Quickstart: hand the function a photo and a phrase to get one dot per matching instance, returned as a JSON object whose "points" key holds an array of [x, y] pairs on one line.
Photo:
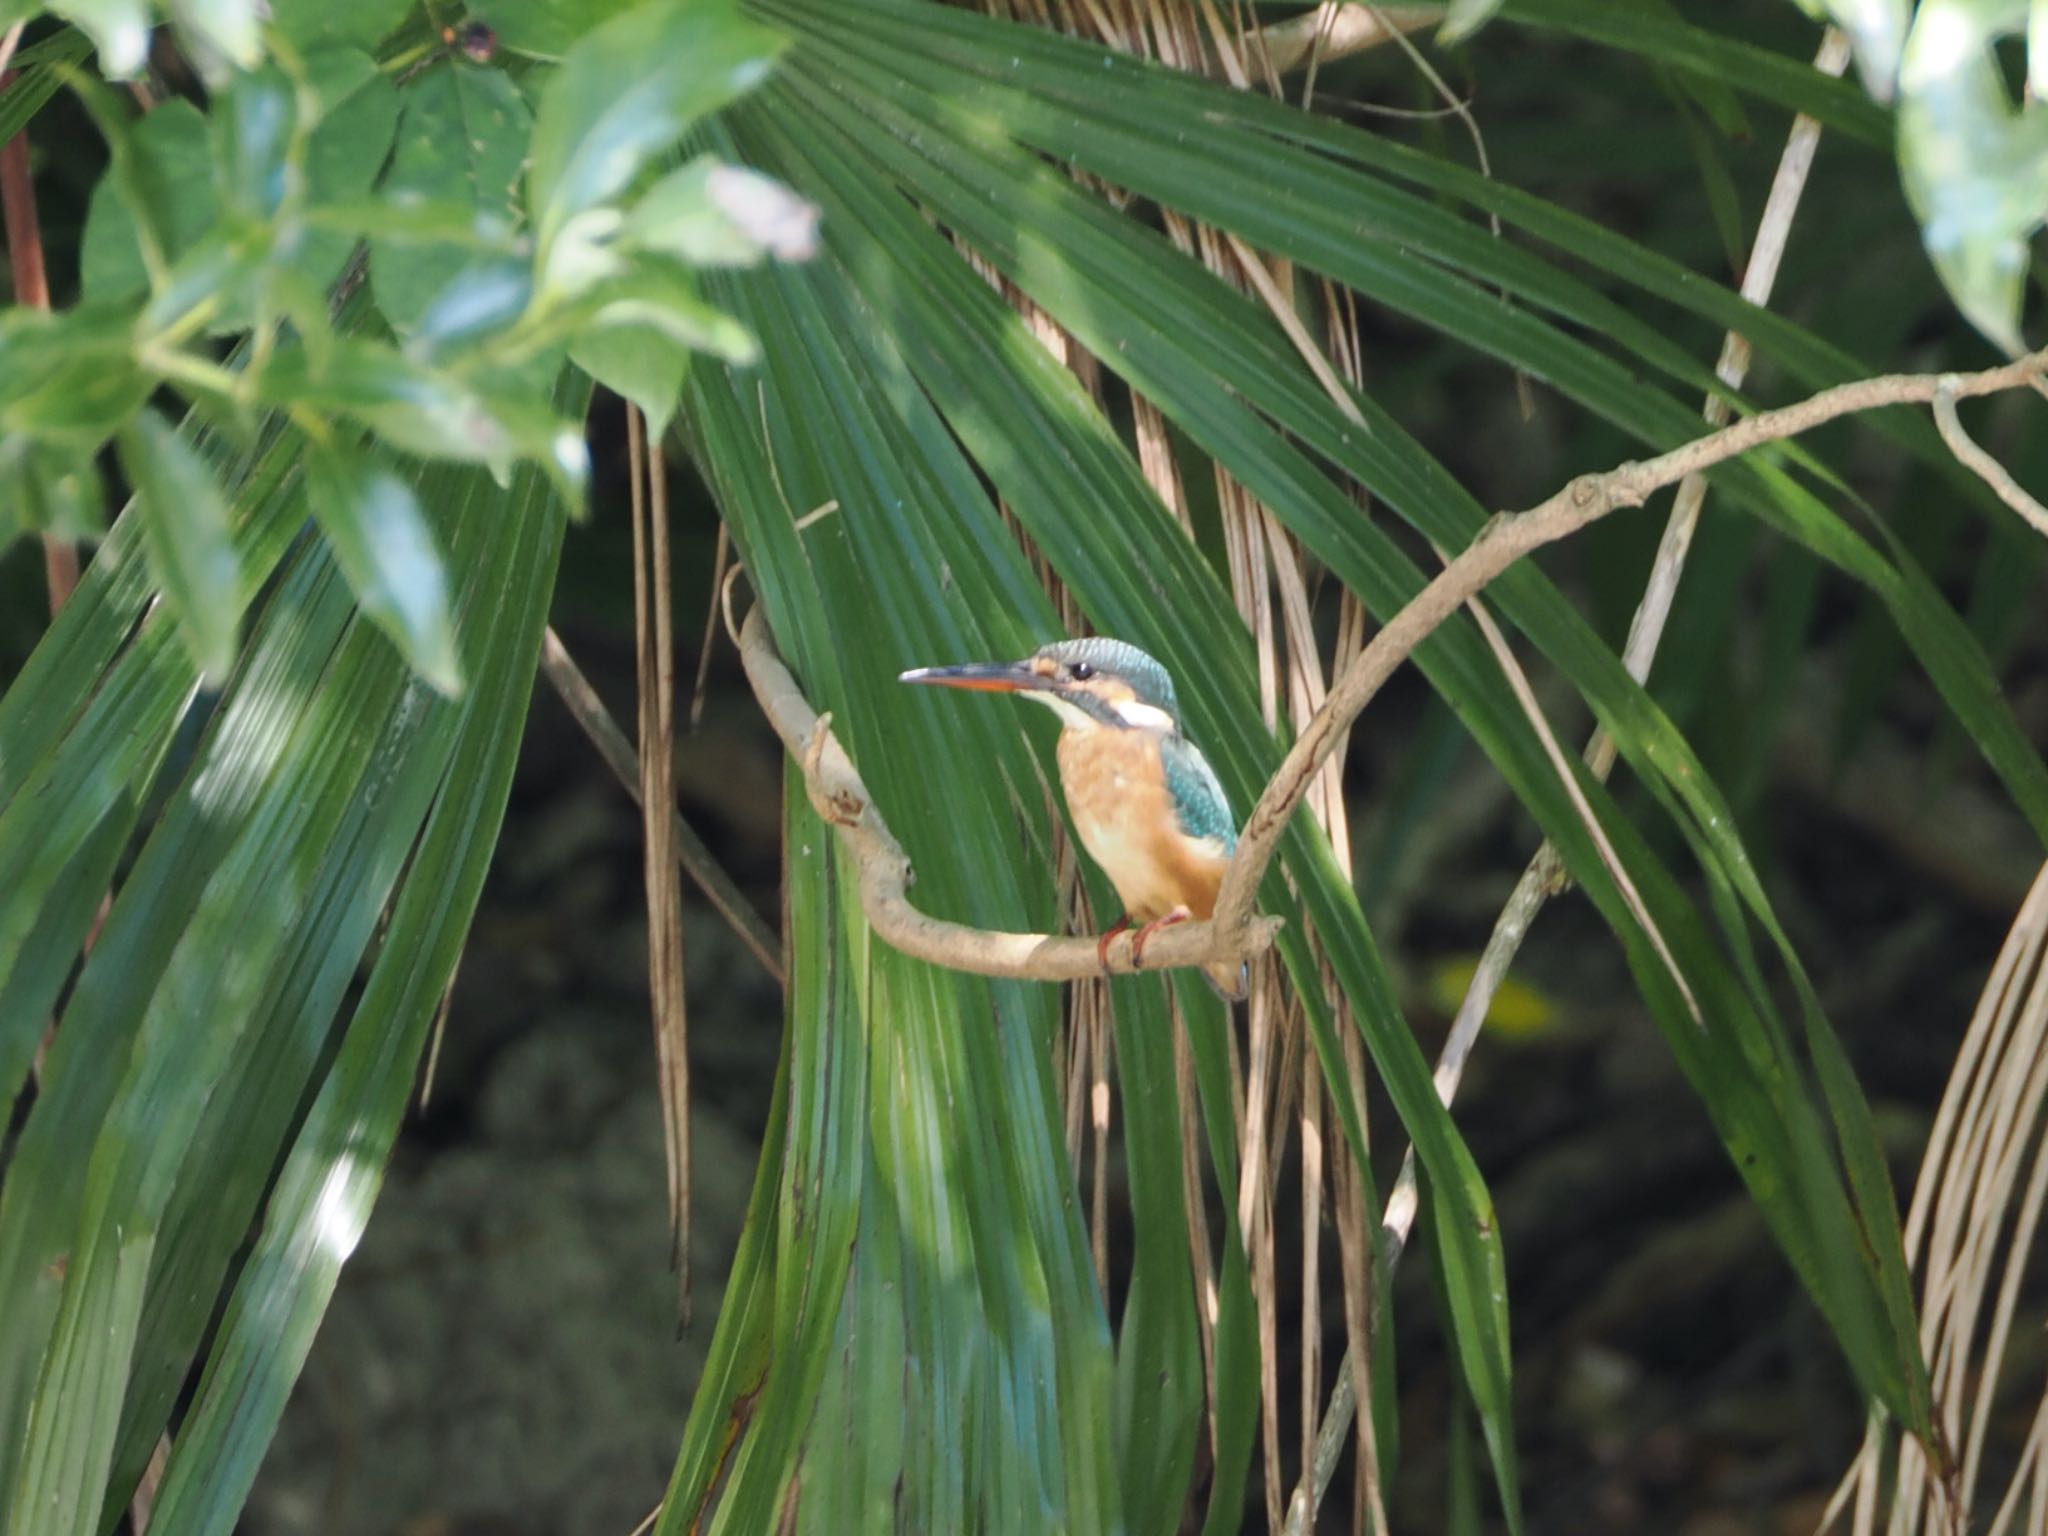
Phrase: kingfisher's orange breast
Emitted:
{"points": [[1116, 792]]}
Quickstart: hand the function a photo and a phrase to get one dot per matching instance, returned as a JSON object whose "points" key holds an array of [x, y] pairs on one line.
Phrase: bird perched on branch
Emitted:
{"points": [[1143, 798]]}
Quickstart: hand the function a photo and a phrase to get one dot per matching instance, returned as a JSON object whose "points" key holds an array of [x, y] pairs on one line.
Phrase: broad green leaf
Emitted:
{"points": [[186, 526], [68, 379], [383, 546], [241, 148], [119, 29], [171, 149], [637, 362], [462, 144], [708, 214], [1009, 1374], [309, 24], [253, 121], [545, 29], [625, 93], [50, 487], [485, 296], [1975, 167], [660, 298], [358, 109], [220, 35], [412, 406]]}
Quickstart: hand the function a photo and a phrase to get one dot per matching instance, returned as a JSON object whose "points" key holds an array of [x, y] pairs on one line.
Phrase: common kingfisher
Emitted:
{"points": [[1144, 800]]}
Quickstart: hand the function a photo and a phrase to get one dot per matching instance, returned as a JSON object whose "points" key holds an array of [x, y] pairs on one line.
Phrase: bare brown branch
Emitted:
{"points": [[1508, 538]]}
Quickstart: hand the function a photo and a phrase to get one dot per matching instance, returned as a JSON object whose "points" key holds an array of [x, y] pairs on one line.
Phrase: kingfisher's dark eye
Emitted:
{"points": [[1081, 671]]}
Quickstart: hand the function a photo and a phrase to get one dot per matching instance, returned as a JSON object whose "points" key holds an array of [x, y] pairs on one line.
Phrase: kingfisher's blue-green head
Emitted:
{"points": [[1091, 684]]}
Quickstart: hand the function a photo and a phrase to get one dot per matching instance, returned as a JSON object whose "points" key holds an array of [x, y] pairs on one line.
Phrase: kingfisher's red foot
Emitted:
{"points": [[1102, 944], [1177, 915]]}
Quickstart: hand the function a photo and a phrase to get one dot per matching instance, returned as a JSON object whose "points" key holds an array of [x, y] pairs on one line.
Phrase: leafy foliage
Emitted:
{"points": [[235, 220]]}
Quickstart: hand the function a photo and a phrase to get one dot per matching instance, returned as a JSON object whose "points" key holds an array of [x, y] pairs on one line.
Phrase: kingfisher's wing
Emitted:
{"points": [[1198, 799]]}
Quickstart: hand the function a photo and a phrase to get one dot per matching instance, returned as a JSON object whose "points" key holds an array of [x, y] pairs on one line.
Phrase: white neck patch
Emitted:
{"points": [[1145, 717]]}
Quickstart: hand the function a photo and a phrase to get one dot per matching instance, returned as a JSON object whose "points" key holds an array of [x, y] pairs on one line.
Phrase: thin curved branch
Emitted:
{"points": [[842, 799], [1983, 466], [1509, 537], [1235, 933]]}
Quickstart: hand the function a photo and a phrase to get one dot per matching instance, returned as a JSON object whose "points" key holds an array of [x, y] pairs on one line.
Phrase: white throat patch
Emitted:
{"points": [[1145, 717]]}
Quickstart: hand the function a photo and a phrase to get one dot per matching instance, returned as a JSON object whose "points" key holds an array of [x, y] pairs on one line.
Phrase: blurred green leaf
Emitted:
{"points": [[545, 29], [661, 298], [252, 123], [382, 545], [309, 24], [1975, 168], [49, 486], [1877, 31], [708, 214], [186, 526], [119, 30], [358, 114], [414, 407], [220, 35], [627, 92], [637, 362], [462, 142], [189, 168], [68, 379], [485, 296], [172, 148]]}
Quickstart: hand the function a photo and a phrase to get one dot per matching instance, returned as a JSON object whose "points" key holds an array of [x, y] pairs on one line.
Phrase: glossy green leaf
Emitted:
{"points": [[546, 29], [172, 150], [186, 528], [708, 214], [412, 406], [382, 544], [67, 380], [462, 143], [638, 362], [253, 121], [656, 297], [310, 24], [625, 93]]}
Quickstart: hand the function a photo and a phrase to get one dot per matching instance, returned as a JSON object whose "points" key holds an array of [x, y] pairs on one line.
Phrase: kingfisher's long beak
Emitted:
{"points": [[986, 676]]}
